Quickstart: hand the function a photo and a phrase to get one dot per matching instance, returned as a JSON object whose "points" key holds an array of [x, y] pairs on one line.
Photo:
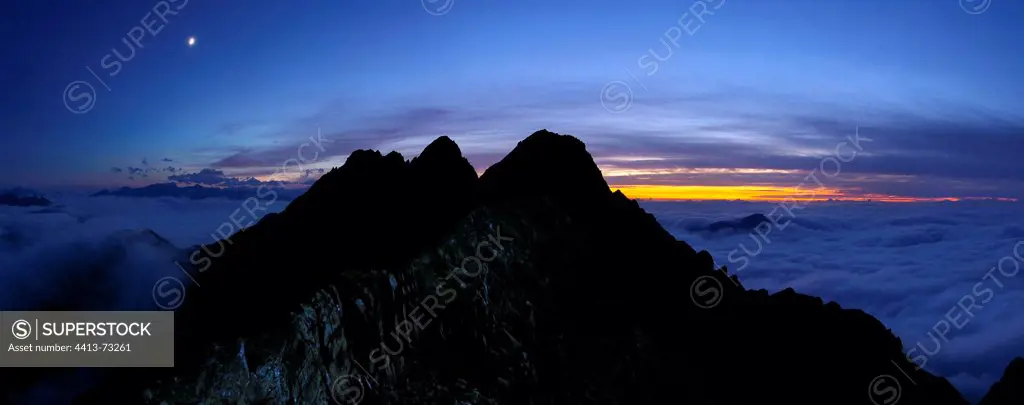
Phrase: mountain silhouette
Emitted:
{"points": [[197, 192], [747, 223], [1009, 389], [21, 197], [563, 293]]}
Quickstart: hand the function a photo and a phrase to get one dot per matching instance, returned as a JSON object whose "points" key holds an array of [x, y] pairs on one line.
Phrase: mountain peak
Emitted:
{"points": [[443, 158], [442, 148], [546, 163], [573, 271], [363, 158]]}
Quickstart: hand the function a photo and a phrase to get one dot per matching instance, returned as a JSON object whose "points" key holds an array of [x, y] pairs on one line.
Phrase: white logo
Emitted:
{"points": [[21, 329], [975, 6], [169, 298], [347, 390], [705, 296], [616, 97], [79, 97], [884, 390], [437, 7]]}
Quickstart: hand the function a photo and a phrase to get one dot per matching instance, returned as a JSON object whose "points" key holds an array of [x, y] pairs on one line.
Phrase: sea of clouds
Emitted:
{"points": [[915, 267], [98, 251], [909, 265]]}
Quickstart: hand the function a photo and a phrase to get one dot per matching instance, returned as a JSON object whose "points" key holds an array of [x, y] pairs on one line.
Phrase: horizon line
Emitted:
{"points": [[651, 192]]}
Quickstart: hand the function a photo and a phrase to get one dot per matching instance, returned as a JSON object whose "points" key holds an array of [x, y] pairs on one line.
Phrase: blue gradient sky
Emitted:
{"points": [[767, 85]]}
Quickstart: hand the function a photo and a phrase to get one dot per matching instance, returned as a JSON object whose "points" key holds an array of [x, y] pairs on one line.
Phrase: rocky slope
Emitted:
{"points": [[415, 282], [1009, 389]]}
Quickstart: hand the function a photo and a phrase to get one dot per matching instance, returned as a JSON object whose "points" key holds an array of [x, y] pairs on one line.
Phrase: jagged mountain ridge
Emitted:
{"points": [[198, 192], [593, 303]]}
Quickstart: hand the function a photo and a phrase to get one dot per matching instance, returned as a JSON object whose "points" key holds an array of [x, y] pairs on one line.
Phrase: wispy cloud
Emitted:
{"points": [[213, 177], [734, 136]]}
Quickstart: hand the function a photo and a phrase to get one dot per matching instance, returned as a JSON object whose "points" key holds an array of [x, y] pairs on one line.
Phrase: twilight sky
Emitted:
{"points": [[747, 101]]}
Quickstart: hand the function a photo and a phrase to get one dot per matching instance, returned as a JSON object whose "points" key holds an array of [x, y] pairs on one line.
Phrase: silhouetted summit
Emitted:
{"points": [[545, 164], [747, 223], [443, 151], [415, 282]]}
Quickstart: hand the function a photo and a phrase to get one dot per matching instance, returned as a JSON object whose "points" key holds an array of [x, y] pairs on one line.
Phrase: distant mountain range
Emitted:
{"points": [[533, 284], [22, 197], [747, 223], [197, 192]]}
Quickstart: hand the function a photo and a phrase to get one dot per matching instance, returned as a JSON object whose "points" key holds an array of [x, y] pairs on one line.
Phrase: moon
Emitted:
{"points": [[191, 41]]}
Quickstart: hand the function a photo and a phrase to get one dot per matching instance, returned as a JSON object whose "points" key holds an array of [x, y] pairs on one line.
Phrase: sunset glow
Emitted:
{"points": [[759, 193]]}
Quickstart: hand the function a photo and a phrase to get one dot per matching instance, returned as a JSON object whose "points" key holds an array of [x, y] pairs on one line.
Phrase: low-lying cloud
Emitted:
{"points": [[943, 276], [102, 252], [99, 253], [910, 265]]}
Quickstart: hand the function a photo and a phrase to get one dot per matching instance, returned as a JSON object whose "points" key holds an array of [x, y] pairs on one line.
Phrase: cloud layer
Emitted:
{"points": [[108, 238], [725, 136], [98, 253], [915, 267], [910, 265]]}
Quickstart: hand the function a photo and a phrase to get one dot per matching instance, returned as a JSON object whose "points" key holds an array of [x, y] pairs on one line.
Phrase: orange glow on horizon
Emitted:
{"points": [[758, 193], [752, 193]]}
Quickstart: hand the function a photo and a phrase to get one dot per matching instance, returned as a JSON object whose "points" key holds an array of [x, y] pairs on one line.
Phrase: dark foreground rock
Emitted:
{"points": [[1009, 389], [415, 282]]}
